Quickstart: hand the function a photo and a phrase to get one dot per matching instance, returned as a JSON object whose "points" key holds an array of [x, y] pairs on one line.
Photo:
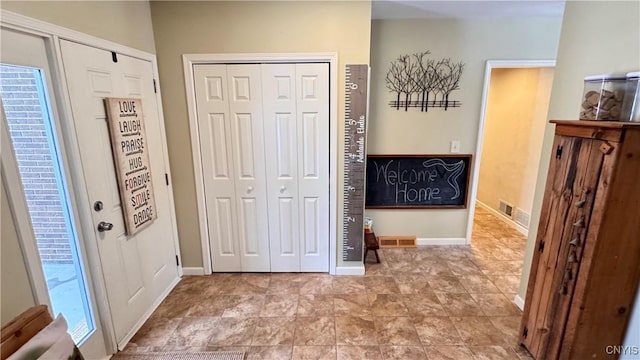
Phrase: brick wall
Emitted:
{"points": [[26, 125]]}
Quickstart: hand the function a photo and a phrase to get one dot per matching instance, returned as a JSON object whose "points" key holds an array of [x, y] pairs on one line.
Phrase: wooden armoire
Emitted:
{"points": [[586, 263]]}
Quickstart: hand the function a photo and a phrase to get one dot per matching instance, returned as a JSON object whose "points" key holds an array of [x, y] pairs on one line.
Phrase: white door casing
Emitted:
{"points": [[293, 142], [139, 269]]}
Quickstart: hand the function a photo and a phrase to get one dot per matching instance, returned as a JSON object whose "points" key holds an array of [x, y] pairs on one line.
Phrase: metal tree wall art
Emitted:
{"points": [[415, 79]]}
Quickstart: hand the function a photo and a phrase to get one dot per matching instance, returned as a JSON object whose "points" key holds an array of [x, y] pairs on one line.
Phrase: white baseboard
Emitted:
{"points": [[519, 302], [521, 229], [441, 241], [350, 270], [191, 271]]}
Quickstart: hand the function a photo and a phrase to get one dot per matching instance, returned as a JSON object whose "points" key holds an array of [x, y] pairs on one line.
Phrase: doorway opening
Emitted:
{"points": [[514, 113], [31, 127]]}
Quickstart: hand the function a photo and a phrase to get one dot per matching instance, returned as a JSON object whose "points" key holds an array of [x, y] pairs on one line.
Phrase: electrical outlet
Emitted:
{"points": [[455, 146]]}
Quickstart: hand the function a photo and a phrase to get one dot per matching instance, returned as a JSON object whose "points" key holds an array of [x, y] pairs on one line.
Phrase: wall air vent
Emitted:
{"points": [[506, 208], [523, 218]]}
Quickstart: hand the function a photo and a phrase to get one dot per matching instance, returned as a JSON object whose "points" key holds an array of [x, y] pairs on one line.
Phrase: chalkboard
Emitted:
{"points": [[417, 181]]}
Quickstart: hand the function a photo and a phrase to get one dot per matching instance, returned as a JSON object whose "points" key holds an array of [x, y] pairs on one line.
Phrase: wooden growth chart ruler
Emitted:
{"points": [[355, 160]]}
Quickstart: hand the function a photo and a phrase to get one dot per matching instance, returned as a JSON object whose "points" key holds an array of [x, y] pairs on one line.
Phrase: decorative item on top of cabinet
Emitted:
{"points": [[585, 272]]}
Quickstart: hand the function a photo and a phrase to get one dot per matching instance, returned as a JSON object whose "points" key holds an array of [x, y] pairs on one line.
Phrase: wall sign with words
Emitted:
{"points": [[417, 181], [129, 146]]}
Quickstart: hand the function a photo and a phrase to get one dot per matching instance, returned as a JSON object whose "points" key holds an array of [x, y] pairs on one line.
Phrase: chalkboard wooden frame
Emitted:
{"points": [[466, 173]]}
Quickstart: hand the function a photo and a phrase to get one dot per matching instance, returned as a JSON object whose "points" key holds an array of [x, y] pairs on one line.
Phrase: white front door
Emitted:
{"points": [[264, 143], [139, 270]]}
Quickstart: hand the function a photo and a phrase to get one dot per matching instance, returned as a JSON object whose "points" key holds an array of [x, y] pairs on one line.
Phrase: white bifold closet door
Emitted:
{"points": [[264, 138]]}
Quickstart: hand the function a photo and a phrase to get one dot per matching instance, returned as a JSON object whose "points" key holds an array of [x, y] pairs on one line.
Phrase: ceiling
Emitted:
{"points": [[425, 9]]}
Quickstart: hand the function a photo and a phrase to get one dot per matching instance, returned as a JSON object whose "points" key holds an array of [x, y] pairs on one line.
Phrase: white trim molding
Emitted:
{"points": [[519, 302], [440, 241], [521, 229], [189, 60], [491, 64], [192, 271], [350, 270]]}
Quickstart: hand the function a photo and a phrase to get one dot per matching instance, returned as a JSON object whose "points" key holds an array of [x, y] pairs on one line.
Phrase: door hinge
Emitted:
{"points": [[166, 178], [177, 261], [541, 246], [559, 152], [155, 89], [525, 332]]}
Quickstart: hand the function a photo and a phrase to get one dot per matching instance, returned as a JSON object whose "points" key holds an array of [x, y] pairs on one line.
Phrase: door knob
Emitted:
{"points": [[249, 189], [283, 188], [104, 226]]}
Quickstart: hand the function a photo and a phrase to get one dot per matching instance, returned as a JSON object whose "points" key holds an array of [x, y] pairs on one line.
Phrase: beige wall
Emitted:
{"points": [[123, 22], [398, 132], [513, 131], [618, 50], [243, 27], [15, 289]]}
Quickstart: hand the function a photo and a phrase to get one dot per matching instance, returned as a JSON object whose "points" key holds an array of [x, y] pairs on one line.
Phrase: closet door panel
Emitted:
{"points": [[247, 134], [216, 150], [312, 87], [281, 140]]}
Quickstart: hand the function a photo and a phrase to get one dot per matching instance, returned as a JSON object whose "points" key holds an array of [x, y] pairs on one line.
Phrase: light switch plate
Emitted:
{"points": [[455, 146]]}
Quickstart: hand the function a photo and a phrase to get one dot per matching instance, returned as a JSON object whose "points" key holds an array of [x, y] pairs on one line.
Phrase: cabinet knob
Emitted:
{"points": [[249, 189], [283, 189]]}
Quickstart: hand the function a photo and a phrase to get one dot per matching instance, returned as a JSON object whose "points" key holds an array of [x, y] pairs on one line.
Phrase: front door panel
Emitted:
{"points": [[138, 269]]}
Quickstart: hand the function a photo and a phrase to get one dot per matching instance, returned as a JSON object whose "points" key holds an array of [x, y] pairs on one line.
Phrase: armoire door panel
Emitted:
{"points": [[586, 170], [564, 240], [554, 208]]}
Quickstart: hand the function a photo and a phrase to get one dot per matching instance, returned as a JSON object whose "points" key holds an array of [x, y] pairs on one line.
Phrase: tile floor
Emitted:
{"points": [[431, 302]]}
